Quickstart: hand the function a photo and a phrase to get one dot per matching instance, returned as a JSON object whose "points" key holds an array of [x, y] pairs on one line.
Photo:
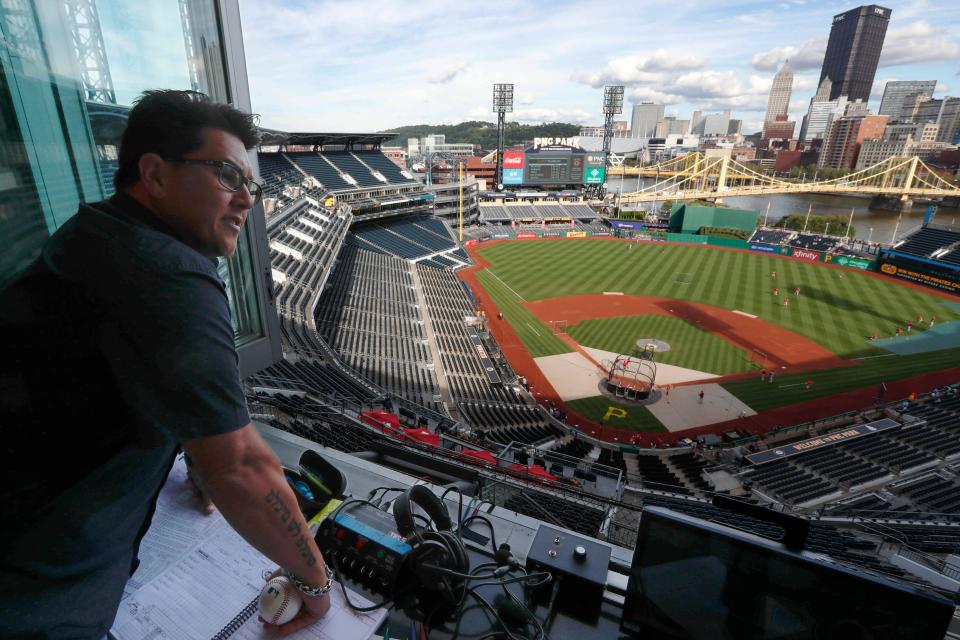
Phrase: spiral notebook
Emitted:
{"points": [[199, 579]]}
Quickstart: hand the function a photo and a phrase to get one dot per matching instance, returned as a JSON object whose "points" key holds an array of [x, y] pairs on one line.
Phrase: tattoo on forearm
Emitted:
{"points": [[275, 501], [293, 526]]}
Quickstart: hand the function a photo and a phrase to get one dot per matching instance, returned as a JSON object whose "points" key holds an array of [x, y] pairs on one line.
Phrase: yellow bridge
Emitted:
{"points": [[694, 176]]}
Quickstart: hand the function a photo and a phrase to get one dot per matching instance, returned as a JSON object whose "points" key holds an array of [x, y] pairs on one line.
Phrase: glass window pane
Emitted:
{"points": [[70, 70]]}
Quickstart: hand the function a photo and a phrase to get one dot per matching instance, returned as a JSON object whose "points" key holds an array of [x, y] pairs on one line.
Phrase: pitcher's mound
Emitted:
{"points": [[652, 344]]}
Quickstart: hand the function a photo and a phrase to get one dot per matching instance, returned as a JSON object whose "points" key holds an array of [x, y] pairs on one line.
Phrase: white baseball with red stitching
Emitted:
{"points": [[280, 601]]}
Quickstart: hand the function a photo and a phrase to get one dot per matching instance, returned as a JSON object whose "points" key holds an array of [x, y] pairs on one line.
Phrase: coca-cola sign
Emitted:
{"points": [[513, 159]]}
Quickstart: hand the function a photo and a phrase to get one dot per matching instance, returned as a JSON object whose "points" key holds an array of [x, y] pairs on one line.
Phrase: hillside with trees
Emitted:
{"points": [[485, 133]]}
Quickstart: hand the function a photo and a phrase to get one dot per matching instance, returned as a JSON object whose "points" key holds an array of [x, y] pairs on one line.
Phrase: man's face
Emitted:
{"points": [[205, 214]]}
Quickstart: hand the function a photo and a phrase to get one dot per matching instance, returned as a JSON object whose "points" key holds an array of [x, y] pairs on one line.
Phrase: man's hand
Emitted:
{"points": [[312, 610]]}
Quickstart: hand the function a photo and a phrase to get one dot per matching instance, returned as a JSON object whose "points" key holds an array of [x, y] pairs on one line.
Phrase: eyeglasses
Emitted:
{"points": [[230, 176]]}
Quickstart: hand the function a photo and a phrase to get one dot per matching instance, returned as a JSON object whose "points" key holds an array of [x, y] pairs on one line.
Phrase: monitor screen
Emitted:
{"points": [[695, 579]]}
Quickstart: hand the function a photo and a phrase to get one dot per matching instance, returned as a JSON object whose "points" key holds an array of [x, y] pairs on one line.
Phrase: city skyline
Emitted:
{"points": [[373, 65]]}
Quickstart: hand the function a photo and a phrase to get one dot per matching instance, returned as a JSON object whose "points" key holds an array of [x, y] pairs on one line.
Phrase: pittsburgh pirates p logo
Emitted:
{"points": [[614, 412]]}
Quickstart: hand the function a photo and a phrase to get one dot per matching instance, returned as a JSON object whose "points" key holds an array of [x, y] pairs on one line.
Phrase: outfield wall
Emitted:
{"points": [[655, 235], [689, 218]]}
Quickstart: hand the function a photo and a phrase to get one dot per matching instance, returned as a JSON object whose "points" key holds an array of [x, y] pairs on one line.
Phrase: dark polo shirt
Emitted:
{"points": [[115, 347]]}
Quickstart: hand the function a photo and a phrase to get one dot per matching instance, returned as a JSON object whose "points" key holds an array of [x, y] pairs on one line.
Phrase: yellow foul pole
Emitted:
{"points": [[461, 201]]}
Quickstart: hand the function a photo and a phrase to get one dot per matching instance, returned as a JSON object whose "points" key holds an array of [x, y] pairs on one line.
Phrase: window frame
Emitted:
{"points": [[265, 350]]}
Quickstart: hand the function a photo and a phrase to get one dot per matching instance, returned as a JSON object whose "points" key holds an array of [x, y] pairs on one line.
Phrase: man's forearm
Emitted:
{"points": [[257, 501]]}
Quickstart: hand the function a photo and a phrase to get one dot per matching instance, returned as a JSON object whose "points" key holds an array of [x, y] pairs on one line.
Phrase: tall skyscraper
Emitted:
{"points": [[895, 92], [643, 123], [853, 51], [779, 101]]}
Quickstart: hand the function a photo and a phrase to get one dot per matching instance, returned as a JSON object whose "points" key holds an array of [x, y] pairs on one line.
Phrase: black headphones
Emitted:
{"points": [[436, 554]]}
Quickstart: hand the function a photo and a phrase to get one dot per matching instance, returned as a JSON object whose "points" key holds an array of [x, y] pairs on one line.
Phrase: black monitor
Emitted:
{"points": [[694, 579]]}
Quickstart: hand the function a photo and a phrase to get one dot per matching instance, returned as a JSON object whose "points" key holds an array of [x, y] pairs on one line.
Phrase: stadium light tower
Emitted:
{"points": [[612, 105], [502, 105]]}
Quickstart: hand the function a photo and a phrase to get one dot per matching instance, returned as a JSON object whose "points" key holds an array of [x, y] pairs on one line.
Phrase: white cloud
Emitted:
{"points": [[804, 83], [808, 55], [700, 84], [918, 42], [635, 70], [550, 115], [942, 88], [534, 115], [654, 95], [666, 60]]}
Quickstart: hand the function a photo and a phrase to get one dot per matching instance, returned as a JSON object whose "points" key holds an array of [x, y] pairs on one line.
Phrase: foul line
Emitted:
{"points": [[532, 328], [490, 271], [882, 355]]}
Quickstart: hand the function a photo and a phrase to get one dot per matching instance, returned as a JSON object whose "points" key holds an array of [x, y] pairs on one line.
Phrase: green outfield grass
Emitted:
{"points": [[690, 346], [836, 312], [537, 338], [638, 417], [789, 389]]}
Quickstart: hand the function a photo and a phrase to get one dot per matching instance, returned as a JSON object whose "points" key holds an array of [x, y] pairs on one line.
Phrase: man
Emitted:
{"points": [[116, 349]]}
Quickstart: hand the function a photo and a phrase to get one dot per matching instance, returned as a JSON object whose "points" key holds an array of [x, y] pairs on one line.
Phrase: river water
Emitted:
{"points": [[870, 224]]}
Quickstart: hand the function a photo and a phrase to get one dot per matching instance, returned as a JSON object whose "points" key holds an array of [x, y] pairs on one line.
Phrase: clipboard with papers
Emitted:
{"points": [[199, 579]]}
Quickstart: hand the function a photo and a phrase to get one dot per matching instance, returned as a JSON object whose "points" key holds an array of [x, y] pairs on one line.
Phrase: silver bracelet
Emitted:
{"points": [[309, 590]]}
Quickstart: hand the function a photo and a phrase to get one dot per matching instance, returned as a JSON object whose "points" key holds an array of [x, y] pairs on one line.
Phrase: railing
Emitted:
{"points": [[903, 549]]}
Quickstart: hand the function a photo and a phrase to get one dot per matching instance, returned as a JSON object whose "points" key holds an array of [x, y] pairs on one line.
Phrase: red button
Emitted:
{"points": [[340, 534], [359, 544]]}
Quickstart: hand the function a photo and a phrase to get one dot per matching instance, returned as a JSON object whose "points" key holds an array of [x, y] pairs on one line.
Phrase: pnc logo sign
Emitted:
{"points": [[889, 269]]}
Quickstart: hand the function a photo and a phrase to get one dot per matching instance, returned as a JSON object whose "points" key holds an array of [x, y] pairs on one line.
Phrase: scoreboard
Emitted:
{"points": [[553, 168]]}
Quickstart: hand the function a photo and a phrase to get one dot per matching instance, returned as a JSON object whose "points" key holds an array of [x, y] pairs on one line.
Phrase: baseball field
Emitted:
{"points": [[727, 316]]}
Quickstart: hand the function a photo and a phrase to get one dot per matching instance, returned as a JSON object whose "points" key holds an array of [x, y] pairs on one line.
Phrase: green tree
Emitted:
{"points": [[834, 225]]}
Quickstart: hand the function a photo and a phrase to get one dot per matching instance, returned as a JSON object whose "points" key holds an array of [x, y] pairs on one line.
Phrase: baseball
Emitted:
{"points": [[280, 601]]}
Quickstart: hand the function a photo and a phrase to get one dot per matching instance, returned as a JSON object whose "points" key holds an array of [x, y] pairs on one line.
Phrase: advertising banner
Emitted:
{"points": [[805, 254], [849, 261], [815, 443], [576, 234], [469, 243], [513, 160], [634, 225], [600, 233], [762, 248], [526, 234], [512, 176], [501, 235], [593, 175], [921, 278]]}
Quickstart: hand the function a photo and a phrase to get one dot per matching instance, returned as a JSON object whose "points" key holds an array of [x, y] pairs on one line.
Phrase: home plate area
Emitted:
{"points": [[579, 374]]}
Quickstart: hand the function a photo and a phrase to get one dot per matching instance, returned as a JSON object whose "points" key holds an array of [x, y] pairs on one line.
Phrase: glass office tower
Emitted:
{"points": [[853, 51]]}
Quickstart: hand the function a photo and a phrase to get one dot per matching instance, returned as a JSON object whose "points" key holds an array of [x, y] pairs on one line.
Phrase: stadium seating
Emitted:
{"points": [[927, 241], [369, 317], [349, 164], [323, 170], [411, 237], [654, 474], [383, 165], [108, 168], [554, 510], [771, 236], [815, 242], [275, 173]]}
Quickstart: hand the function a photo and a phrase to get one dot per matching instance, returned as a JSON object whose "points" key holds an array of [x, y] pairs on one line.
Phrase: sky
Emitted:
{"points": [[369, 65]]}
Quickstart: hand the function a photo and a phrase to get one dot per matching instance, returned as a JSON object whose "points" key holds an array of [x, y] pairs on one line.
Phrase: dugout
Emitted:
{"points": [[686, 218]]}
